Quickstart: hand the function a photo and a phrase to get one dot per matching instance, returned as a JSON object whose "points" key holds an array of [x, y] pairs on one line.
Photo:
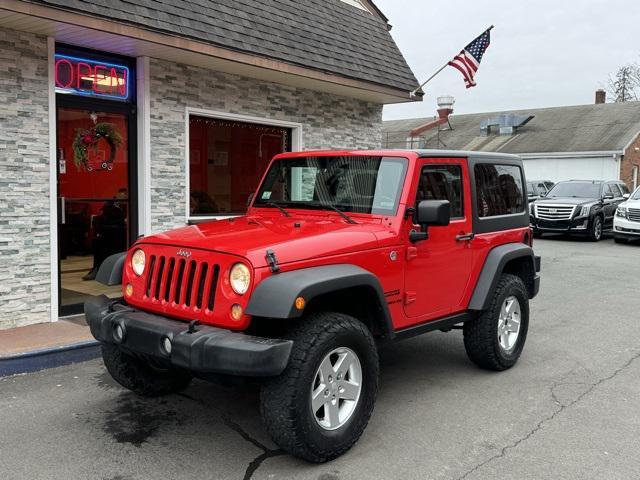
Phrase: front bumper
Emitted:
{"points": [[579, 225], [623, 228], [205, 350]]}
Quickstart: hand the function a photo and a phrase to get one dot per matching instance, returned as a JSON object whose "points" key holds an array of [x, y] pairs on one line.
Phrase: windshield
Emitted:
{"points": [[535, 189], [636, 194], [575, 189], [352, 184]]}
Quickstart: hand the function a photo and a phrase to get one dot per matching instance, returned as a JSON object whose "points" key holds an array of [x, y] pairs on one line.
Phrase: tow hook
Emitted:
{"points": [[192, 326]]}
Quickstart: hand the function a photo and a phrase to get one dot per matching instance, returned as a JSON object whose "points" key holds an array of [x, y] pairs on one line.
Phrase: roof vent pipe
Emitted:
{"points": [[445, 106]]}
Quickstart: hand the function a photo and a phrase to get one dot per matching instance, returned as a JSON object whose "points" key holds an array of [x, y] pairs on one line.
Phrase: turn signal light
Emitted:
{"points": [[236, 312], [300, 303], [128, 290]]}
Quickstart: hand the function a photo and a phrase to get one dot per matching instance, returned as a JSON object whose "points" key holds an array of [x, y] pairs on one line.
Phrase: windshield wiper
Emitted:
{"points": [[279, 207], [339, 212]]}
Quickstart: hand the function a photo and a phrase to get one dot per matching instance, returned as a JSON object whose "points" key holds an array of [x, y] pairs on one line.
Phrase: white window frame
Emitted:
{"points": [[296, 146]]}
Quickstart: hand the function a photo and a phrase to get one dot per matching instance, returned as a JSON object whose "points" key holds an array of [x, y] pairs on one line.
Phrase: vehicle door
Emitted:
{"points": [[438, 268], [611, 197]]}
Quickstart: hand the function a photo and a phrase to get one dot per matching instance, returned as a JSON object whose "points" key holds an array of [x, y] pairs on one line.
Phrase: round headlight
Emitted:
{"points": [[137, 262], [240, 277]]}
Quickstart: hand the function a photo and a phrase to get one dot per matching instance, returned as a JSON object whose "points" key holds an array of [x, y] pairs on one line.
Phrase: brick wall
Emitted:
{"points": [[631, 158], [328, 121], [24, 180]]}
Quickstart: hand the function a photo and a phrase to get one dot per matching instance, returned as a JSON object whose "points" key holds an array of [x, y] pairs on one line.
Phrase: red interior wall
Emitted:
{"points": [[248, 149], [99, 183]]}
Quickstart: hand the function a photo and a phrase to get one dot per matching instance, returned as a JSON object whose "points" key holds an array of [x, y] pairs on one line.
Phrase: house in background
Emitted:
{"points": [[123, 118], [599, 141]]}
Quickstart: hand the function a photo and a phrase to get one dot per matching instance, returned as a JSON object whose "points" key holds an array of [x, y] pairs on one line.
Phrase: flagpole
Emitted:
{"points": [[413, 92]]}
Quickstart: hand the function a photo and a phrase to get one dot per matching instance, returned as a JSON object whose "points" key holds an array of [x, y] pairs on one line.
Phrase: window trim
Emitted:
{"points": [[296, 146], [500, 222]]}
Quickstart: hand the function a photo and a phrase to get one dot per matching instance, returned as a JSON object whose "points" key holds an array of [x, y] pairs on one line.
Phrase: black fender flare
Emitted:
{"points": [[493, 268], [275, 296], [110, 270]]}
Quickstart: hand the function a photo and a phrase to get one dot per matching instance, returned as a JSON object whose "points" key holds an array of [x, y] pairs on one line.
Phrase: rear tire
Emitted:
{"points": [[305, 409], [141, 377], [490, 340]]}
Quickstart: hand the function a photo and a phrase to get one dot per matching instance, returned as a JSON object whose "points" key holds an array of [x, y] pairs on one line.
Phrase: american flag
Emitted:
{"points": [[468, 60]]}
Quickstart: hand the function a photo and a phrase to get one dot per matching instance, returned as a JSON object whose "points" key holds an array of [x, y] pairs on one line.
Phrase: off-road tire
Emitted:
{"points": [[481, 334], [593, 233], [285, 401], [141, 377]]}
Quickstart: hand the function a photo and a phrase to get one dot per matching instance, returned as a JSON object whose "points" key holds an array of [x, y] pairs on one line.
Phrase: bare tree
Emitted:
{"points": [[624, 86]]}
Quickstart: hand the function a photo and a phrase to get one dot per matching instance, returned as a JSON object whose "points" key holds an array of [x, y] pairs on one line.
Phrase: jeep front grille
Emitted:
{"points": [[182, 282], [555, 212], [633, 214]]}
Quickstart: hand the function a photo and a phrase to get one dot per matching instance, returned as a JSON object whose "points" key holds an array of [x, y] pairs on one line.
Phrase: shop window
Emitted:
{"points": [[226, 162]]}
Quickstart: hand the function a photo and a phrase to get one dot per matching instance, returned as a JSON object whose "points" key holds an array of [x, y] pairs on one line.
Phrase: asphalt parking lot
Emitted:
{"points": [[569, 409]]}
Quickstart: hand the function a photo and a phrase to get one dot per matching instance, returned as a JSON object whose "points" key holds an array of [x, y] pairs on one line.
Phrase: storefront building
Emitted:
{"points": [[142, 118]]}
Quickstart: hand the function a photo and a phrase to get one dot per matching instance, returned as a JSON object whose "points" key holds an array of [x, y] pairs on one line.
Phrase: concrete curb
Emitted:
{"points": [[49, 358]]}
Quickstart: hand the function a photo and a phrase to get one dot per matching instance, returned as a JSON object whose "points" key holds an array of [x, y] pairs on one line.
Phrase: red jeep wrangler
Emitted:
{"points": [[340, 252]]}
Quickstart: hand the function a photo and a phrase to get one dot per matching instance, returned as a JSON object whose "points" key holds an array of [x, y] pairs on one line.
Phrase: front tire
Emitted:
{"points": [[141, 377], [619, 240], [494, 340], [320, 405], [596, 229]]}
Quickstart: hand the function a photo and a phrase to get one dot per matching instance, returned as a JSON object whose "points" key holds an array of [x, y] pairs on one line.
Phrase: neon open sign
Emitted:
{"points": [[82, 76]]}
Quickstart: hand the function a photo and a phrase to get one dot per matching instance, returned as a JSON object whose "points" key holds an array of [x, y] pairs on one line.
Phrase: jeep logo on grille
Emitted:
{"points": [[184, 253]]}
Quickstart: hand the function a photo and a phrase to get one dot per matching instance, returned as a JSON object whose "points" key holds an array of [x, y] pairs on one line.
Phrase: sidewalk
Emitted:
{"points": [[46, 345]]}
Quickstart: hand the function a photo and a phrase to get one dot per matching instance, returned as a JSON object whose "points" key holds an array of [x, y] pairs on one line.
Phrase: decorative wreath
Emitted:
{"points": [[88, 139]]}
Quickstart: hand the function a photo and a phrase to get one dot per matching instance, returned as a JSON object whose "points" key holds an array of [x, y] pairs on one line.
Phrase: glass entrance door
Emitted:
{"points": [[94, 208]]}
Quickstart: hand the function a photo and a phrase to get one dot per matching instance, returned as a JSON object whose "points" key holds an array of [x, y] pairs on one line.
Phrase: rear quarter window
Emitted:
{"points": [[499, 189]]}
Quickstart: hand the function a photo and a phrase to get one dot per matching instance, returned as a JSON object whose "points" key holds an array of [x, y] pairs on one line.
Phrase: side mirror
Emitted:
{"points": [[430, 213], [607, 196], [433, 213], [626, 196]]}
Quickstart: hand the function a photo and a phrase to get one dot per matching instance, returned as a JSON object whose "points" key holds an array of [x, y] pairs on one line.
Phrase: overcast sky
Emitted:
{"points": [[543, 53]]}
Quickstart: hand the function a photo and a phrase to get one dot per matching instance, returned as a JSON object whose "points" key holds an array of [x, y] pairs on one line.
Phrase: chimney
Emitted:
{"points": [[445, 106], [601, 96]]}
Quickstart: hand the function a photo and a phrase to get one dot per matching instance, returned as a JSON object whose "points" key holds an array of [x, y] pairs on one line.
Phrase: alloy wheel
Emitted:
{"points": [[336, 388], [509, 323]]}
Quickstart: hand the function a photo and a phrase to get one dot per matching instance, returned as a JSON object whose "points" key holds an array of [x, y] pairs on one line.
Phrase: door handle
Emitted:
{"points": [[61, 209], [465, 237]]}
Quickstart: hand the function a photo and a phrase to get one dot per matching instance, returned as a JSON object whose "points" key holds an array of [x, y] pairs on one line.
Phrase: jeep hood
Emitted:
{"points": [[291, 239]]}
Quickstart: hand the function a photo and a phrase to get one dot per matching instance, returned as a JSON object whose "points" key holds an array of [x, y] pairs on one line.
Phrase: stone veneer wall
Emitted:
{"points": [[25, 291], [328, 121]]}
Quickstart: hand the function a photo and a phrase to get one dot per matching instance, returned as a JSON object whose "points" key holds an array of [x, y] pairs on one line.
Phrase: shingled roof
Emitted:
{"points": [[326, 35], [583, 128]]}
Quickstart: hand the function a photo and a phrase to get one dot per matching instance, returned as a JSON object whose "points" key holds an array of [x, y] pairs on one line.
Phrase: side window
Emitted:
{"points": [[499, 189], [615, 188], [442, 182], [623, 188], [606, 190]]}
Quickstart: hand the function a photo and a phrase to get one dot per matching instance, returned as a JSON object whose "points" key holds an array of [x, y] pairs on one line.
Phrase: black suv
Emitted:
{"points": [[578, 207]]}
